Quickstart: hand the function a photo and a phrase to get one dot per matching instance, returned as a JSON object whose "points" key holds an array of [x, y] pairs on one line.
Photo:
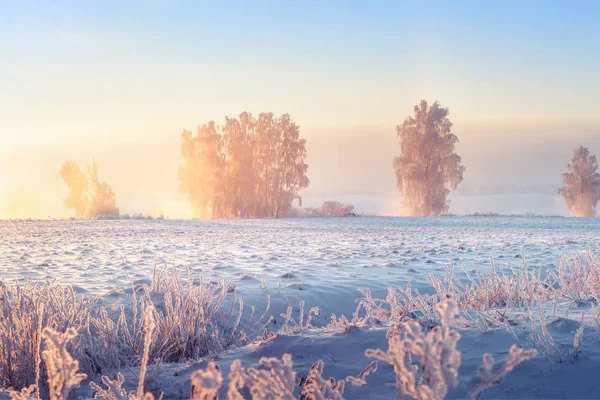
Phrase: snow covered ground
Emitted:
{"points": [[331, 255], [324, 262]]}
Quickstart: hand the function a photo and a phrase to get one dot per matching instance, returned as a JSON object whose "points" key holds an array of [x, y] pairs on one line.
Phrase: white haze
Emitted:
{"points": [[502, 157]]}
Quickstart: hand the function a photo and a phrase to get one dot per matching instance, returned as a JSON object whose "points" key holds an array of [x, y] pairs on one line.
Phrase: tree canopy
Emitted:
{"points": [[581, 189], [428, 166], [88, 197], [248, 167]]}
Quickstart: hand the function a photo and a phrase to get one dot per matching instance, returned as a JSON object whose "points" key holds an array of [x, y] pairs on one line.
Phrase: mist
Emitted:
{"points": [[502, 156]]}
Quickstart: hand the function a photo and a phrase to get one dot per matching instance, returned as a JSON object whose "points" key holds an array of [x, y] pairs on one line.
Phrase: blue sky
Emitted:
{"points": [[478, 58], [521, 79]]}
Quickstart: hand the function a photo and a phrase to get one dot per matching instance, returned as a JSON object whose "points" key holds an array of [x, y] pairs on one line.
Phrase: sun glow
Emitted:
{"points": [[18, 202]]}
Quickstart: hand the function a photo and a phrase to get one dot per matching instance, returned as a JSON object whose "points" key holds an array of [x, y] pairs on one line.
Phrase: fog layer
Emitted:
{"points": [[502, 156]]}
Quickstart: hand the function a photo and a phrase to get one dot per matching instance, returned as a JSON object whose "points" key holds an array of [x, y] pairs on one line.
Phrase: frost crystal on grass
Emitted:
{"points": [[439, 359], [63, 370], [490, 378], [206, 384]]}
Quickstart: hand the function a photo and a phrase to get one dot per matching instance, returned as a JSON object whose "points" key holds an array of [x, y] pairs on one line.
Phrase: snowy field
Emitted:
{"points": [[324, 263], [327, 255]]}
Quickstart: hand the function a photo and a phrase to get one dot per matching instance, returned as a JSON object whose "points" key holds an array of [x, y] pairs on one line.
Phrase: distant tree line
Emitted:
{"points": [[330, 208], [248, 167], [254, 167]]}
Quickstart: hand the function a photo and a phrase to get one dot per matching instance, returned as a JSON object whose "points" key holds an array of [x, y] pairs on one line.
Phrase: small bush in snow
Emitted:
{"points": [[437, 368], [490, 378], [63, 370]]}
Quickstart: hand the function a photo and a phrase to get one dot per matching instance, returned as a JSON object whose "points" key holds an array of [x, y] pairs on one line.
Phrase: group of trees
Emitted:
{"points": [[248, 167], [428, 167], [254, 167], [88, 197]]}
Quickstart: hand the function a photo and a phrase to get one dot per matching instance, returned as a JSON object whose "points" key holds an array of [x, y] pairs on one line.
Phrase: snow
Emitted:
{"points": [[323, 262], [332, 255]]}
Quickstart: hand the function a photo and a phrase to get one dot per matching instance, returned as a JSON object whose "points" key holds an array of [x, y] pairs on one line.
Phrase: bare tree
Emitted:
{"points": [[103, 199], [88, 197], [428, 166], [582, 184], [78, 184]]}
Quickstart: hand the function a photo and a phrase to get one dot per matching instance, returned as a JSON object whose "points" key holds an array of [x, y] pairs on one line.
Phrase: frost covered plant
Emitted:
{"points": [[577, 343], [359, 380], [398, 305], [316, 387], [190, 322], [186, 321], [541, 338], [497, 287], [24, 394], [275, 380], [25, 309], [374, 311], [190, 319], [490, 378], [149, 326], [577, 277], [291, 326], [206, 383], [63, 370], [114, 389], [475, 319], [595, 319], [439, 359]]}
